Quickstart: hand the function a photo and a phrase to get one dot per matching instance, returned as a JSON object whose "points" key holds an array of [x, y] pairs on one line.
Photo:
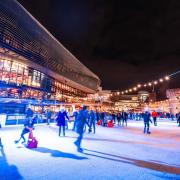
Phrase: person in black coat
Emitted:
{"points": [[103, 117], [75, 114], [178, 119], [147, 119], [48, 116], [119, 118], [82, 120], [92, 120], [29, 114], [124, 117], [1, 145], [61, 120]]}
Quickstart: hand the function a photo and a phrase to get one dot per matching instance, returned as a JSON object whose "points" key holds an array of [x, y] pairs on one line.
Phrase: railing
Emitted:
{"points": [[17, 119]]}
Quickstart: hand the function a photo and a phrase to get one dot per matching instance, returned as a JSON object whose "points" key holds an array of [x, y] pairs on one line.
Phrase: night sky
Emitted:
{"points": [[123, 42]]}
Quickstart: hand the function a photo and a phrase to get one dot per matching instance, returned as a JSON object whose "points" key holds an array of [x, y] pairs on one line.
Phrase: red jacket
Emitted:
{"points": [[154, 114]]}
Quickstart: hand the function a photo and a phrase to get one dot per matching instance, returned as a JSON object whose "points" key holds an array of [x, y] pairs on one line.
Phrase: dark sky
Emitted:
{"points": [[123, 41]]}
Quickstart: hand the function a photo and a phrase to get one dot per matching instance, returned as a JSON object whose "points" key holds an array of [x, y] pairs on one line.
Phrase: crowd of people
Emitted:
{"points": [[88, 118]]}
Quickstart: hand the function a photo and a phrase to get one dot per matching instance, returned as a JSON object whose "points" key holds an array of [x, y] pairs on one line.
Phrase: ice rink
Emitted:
{"points": [[121, 153]]}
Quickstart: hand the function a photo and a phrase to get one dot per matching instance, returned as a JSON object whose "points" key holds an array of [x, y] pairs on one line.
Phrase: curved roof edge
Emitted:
{"points": [[55, 39]]}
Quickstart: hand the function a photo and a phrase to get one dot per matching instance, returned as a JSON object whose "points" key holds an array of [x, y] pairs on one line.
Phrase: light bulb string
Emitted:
{"points": [[151, 83]]}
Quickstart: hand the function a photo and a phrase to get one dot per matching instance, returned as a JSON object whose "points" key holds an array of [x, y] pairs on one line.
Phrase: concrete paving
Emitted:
{"points": [[121, 153]]}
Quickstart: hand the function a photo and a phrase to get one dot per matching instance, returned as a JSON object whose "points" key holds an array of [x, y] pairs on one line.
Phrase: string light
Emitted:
{"points": [[161, 80], [166, 78], [155, 82], [139, 85]]}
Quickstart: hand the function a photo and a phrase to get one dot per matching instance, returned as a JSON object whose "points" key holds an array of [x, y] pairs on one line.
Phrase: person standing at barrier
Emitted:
{"points": [[92, 120], [154, 116], [147, 119], [124, 117], [103, 117], [29, 114], [98, 115], [81, 122], [119, 118], [61, 121]]}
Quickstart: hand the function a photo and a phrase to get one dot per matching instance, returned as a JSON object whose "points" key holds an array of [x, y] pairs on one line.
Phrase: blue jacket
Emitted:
{"points": [[61, 118], [81, 121], [147, 117]]}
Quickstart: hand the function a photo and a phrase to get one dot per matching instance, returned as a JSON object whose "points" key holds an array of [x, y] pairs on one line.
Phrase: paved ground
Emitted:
{"points": [[113, 153]]}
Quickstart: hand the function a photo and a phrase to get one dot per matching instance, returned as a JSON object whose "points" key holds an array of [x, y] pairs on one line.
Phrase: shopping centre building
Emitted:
{"points": [[35, 68]]}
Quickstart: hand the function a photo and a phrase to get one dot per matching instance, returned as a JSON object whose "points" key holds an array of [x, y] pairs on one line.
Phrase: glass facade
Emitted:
{"points": [[17, 80]]}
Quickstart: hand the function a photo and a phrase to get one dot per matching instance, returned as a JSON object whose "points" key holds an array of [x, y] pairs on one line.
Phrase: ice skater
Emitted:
{"points": [[92, 121], [75, 114], [178, 119], [147, 119], [28, 125], [48, 116], [61, 121], [81, 122], [124, 117], [154, 116], [119, 118], [1, 145]]}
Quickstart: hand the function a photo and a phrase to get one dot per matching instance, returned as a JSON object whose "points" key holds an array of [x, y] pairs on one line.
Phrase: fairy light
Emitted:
{"points": [[139, 85], [161, 80], [166, 78], [155, 82]]}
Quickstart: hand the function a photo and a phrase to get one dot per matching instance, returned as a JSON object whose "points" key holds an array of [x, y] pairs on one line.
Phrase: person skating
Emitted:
{"points": [[147, 119], [103, 117], [48, 116], [119, 118], [92, 120], [81, 122], [154, 115], [124, 117], [178, 119], [75, 114], [1, 145], [61, 121], [29, 124]]}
